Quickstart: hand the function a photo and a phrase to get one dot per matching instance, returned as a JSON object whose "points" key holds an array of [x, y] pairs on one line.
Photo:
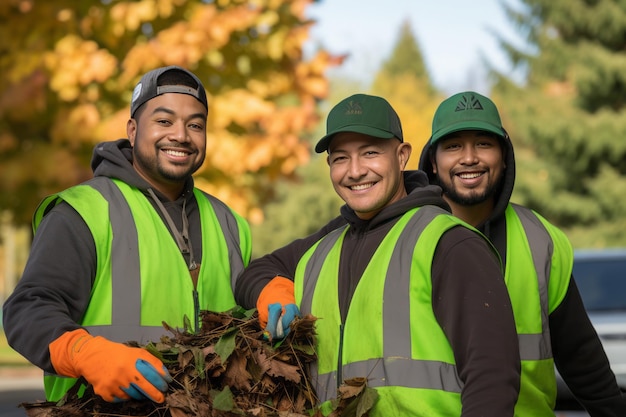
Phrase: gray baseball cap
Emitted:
{"points": [[151, 86]]}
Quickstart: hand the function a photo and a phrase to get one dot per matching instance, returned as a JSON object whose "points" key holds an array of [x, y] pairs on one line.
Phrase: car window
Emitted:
{"points": [[602, 283]]}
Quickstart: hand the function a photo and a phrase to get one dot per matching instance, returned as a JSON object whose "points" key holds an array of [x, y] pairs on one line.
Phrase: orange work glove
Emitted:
{"points": [[277, 307], [117, 372]]}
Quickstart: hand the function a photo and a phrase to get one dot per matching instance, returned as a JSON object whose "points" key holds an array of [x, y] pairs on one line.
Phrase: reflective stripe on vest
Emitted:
{"points": [[396, 368], [125, 270], [539, 262], [126, 285], [537, 346], [126, 293]]}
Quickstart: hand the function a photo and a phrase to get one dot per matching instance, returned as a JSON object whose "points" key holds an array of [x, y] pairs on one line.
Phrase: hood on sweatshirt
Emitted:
{"points": [[114, 159], [471, 111]]}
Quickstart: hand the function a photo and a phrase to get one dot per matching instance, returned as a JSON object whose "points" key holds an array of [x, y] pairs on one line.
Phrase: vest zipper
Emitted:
{"points": [[339, 357], [196, 311]]}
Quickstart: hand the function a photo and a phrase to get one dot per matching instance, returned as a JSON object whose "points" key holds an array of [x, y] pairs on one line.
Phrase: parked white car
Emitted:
{"points": [[601, 279]]}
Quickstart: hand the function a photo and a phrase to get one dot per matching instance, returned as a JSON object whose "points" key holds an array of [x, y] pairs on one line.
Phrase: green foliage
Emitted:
{"points": [[226, 344], [568, 120], [404, 81], [224, 401], [301, 208]]}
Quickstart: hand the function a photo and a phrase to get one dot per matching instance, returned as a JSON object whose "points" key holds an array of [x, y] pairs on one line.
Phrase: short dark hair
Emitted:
{"points": [[176, 77]]}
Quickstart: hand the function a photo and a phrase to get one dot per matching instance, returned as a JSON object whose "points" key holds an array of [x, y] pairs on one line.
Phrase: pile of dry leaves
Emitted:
{"points": [[228, 369]]}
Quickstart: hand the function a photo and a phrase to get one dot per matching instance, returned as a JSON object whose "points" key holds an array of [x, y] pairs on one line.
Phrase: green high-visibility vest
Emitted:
{"points": [[390, 335], [538, 268], [142, 279]]}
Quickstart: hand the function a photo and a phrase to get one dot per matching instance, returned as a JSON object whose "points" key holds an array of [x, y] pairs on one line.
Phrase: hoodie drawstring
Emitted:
{"points": [[182, 239]]}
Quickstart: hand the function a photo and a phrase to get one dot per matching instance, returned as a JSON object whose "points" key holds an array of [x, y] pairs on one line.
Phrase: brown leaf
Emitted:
{"points": [[236, 375], [261, 360], [185, 357], [277, 386], [352, 387], [284, 370]]}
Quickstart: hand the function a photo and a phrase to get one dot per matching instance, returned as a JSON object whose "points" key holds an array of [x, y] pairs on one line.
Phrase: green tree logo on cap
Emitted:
{"points": [[362, 113], [353, 107], [466, 111], [471, 103]]}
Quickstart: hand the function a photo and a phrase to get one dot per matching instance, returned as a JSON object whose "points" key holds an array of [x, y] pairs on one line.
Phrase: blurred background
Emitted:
{"points": [[274, 68]]}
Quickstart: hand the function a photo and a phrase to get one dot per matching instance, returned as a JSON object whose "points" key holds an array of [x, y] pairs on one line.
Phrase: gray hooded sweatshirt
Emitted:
{"points": [[55, 288]]}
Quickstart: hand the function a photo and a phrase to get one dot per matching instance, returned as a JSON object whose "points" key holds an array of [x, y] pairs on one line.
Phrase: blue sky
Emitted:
{"points": [[454, 36]]}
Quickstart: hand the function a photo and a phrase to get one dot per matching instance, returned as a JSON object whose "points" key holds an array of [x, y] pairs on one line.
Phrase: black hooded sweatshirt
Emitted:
{"points": [[577, 350], [465, 274], [54, 291]]}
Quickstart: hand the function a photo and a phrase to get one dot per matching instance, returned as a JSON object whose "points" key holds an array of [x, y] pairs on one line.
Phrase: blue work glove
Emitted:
{"points": [[277, 307], [151, 375], [279, 319]]}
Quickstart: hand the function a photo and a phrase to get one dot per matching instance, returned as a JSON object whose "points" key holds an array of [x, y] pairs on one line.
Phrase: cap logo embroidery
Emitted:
{"points": [[471, 104], [136, 93], [354, 108]]}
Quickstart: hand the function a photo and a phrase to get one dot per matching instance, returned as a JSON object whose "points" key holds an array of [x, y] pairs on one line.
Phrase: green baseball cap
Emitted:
{"points": [[362, 113], [466, 111]]}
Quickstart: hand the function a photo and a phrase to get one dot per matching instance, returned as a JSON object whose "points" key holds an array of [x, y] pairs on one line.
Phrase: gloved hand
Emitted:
{"points": [[117, 372], [277, 307], [279, 319]]}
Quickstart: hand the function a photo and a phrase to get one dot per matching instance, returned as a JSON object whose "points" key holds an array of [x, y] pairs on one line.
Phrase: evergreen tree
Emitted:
{"points": [[568, 119], [406, 57], [404, 81]]}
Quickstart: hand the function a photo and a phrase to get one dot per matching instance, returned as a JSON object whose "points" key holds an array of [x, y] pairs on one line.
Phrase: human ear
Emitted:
{"points": [[404, 153], [131, 131], [433, 161]]}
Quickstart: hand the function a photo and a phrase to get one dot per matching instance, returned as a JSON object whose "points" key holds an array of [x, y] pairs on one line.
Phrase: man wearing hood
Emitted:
{"points": [[407, 295], [137, 245], [470, 156]]}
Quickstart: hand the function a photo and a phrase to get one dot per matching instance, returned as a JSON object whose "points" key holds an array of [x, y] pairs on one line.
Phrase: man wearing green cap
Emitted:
{"points": [[407, 295], [470, 156]]}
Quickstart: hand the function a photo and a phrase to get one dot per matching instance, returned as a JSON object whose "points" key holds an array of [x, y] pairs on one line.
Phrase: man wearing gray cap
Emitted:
{"points": [[407, 296], [137, 245]]}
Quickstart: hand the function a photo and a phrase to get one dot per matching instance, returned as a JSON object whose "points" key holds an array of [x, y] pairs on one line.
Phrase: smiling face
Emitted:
{"points": [[469, 166], [168, 135], [366, 172]]}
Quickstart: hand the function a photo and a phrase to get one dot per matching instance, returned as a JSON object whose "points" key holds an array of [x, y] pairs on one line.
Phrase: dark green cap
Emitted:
{"points": [[466, 111], [362, 113]]}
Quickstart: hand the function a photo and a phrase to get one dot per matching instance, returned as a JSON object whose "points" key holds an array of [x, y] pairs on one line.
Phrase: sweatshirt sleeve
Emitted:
{"points": [[282, 261], [472, 305], [55, 288], [581, 360]]}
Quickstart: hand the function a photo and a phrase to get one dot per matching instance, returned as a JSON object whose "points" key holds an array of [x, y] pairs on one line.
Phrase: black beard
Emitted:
{"points": [[157, 170], [467, 200], [473, 198]]}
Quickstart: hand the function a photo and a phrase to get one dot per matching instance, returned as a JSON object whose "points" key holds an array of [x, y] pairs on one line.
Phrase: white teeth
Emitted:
{"points": [[175, 153], [470, 176], [361, 186]]}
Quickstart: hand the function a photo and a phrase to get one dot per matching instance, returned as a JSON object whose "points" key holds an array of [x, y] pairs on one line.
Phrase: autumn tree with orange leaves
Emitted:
{"points": [[68, 69]]}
